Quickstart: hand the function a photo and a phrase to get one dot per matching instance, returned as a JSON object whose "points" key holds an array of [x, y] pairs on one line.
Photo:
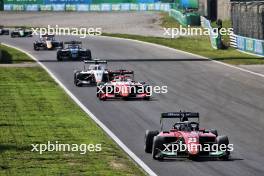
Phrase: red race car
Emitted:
{"points": [[122, 85], [185, 139]]}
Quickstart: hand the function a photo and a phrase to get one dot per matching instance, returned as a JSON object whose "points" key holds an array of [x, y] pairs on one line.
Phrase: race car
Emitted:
{"points": [[47, 42], [21, 32], [169, 143], [4, 31], [74, 51], [94, 74], [121, 84]]}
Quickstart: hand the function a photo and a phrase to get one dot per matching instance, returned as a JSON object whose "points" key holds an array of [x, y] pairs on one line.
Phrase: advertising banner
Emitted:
{"points": [[45, 7], [134, 7], [22, 2], [82, 7], [142, 7], [32, 7], [116, 7], [151, 7], [58, 7], [70, 7], [105, 7], [67, 1], [165, 7], [7, 7], [95, 7], [18, 7], [125, 7], [249, 45]]}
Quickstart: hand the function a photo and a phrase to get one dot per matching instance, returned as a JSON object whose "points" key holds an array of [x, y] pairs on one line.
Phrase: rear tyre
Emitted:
{"points": [[223, 140], [149, 136], [89, 55], [36, 48], [214, 131], [76, 80], [59, 57]]}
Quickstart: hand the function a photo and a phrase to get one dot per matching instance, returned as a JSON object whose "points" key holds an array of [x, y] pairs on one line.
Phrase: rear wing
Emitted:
{"points": [[95, 62], [73, 42], [121, 72], [47, 35], [183, 116], [180, 115], [113, 73]]}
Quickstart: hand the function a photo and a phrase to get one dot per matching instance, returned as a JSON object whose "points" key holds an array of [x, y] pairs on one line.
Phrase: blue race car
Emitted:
{"points": [[74, 51]]}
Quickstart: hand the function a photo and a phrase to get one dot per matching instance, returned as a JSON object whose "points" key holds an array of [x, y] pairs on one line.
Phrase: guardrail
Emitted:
{"points": [[246, 44], [90, 7]]}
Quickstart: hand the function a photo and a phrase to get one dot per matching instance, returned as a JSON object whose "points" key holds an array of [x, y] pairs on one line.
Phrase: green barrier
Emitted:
{"points": [[23, 2], [192, 19]]}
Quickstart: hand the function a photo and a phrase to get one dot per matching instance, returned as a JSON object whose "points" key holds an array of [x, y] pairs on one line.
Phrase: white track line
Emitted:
{"points": [[191, 54], [107, 130]]}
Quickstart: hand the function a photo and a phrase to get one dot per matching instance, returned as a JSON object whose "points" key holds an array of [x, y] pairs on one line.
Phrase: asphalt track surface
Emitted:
{"points": [[228, 99]]}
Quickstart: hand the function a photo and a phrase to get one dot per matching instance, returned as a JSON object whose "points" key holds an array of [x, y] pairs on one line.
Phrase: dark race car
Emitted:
{"points": [[47, 42], [185, 139], [74, 51], [21, 32], [94, 74], [4, 31], [122, 85]]}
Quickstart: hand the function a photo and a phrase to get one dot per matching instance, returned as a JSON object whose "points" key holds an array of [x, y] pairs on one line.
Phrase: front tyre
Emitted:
{"points": [[149, 136], [157, 148], [223, 140]]}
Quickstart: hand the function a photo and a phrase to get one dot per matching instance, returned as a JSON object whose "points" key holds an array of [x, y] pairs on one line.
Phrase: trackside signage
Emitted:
{"points": [[22, 2], [246, 44]]}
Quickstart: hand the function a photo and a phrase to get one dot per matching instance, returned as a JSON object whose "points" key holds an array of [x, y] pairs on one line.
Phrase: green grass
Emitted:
{"points": [[10, 55], [35, 110]]}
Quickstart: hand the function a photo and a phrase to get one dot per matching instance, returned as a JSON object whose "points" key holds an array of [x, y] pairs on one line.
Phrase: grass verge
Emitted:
{"points": [[10, 55], [196, 44], [35, 110], [200, 46]]}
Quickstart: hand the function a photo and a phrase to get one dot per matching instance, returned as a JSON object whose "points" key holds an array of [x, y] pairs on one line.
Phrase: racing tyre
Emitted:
{"points": [[223, 140], [59, 57], [89, 54], [149, 136], [75, 79], [100, 96], [36, 48], [157, 147], [214, 131]]}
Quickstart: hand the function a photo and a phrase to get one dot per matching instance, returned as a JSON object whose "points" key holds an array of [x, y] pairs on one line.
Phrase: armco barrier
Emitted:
{"points": [[215, 39], [90, 7], [185, 19], [246, 44]]}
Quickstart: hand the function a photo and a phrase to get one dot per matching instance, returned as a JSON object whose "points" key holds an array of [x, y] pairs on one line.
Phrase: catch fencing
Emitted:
{"points": [[248, 18]]}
